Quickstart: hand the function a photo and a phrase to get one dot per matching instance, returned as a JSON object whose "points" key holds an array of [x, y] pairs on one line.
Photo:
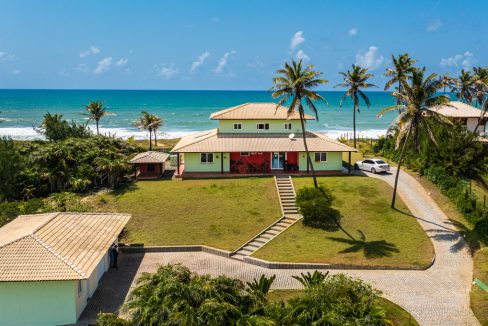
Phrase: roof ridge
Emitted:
{"points": [[216, 114], [211, 132], [58, 256]]}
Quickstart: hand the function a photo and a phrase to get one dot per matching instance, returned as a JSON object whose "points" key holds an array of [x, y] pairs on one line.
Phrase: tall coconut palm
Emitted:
{"points": [[145, 122], [355, 81], [447, 82], [465, 87], [480, 84], [157, 123], [403, 66], [96, 111], [296, 84], [418, 97]]}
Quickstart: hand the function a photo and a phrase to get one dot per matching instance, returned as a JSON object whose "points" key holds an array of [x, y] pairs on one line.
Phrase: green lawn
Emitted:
{"points": [[396, 314], [222, 213], [479, 298], [382, 236]]}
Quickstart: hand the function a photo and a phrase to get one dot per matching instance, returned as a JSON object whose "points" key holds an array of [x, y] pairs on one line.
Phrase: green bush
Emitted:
{"points": [[315, 206]]}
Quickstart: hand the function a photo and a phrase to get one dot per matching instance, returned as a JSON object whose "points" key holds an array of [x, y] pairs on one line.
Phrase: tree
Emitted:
{"points": [[465, 87], [96, 111], [447, 82], [157, 123], [419, 97], [55, 128], [11, 164], [401, 71], [480, 84], [146, 123], [295, 83], [354, 81]]}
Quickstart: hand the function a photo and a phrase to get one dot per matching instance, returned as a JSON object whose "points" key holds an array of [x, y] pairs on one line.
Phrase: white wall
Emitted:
{"points": [[471, 125]]}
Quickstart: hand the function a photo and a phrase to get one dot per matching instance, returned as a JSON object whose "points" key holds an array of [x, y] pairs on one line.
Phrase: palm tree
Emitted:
{"points": [[465, 87], [96, 111], [446, 81], [157, 123], [356, 80], [403, 66], [296, 83], [480, 84], [418, 97], [145, 123]]}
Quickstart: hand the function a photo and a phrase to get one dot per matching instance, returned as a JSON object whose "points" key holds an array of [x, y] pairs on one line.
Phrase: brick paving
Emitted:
{"points": [[437, 296]]}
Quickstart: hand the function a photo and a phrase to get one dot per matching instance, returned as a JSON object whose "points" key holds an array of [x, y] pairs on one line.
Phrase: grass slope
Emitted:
{"points": [[222, 213], [391, 238]]}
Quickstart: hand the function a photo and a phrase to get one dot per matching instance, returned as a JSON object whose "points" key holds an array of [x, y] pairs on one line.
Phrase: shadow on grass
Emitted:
{"points": [[466, 236], [371, 249], [124, 188]]}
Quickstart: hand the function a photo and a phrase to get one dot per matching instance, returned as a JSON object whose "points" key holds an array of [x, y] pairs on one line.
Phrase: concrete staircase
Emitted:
{"points": [[286, 193]]}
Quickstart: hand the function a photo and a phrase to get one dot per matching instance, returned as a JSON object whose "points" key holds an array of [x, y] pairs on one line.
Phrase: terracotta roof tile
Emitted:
{"points": [[456, 109], [150, 157], [257, 111]]}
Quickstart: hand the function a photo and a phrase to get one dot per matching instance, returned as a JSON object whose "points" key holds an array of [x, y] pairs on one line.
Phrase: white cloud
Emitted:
{"points": [[256, 63], [122, 62], [82, 67], [369, 59], [302, 55], [166, 71], [92, 50], [200, 60], [223, 62], [62, 72], [465, 60], [103, 66], [353, 31], [434, 25], [17, 72], [5, 56], [296, 40]]}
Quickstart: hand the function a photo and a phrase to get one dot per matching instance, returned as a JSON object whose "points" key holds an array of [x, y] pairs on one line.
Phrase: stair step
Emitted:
{"points": [[260, 240], [266, 236], [256, 244], [271, 232], [282, 224], [278, 228], [246, 251]]}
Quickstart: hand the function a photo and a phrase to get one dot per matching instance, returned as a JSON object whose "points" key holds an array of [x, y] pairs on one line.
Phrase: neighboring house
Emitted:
{"points": [[149, 165], [464, 113], [257, 138], [50, 265]]}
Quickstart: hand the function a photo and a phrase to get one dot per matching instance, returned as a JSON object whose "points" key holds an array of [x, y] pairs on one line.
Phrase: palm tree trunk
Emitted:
{"points": [[398, 169], [354, 121], [98, 133], [155, 139], [309, 161], [150, 140]]}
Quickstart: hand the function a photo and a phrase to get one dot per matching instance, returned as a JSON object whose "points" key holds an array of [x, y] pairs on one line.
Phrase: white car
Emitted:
{"points": [[373, 165]]}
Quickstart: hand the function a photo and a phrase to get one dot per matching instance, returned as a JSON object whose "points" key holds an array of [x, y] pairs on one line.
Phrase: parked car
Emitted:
{"points": [[373, 165]]}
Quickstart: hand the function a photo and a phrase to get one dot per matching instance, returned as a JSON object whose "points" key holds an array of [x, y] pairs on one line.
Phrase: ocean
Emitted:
{"points": [[184, 112]]}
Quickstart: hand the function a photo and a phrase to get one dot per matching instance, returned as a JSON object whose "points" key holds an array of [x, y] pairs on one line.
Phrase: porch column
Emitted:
{"points": [[221, 163], [177, 163], [349, 165]]}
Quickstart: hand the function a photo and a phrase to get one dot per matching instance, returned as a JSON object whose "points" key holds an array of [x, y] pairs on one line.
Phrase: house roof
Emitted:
{"points": [[212, 141], [56, 246], [456, 109], [257, 111], [150, 157]]}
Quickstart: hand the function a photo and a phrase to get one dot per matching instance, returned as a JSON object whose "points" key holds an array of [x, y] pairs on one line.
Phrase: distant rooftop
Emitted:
{"points": [[150, 157], [257, 111], [56, 246], [456, 109]]}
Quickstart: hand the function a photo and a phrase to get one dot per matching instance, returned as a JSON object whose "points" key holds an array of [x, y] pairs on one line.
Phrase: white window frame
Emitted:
{"points": [[239, 125], [265, 126], [207, 156], [320, 157], [288, 126]]}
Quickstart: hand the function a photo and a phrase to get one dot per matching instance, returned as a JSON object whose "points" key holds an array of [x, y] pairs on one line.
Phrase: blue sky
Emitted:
{"points": [[227, 44]]}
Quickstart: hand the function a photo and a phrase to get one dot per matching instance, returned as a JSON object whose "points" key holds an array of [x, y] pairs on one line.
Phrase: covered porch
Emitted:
{"points": [[149, 165], [263, 162]]}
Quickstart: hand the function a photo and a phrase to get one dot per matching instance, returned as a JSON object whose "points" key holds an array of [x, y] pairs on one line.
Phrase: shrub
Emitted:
{"points": [[481, 228], [315, 206]]}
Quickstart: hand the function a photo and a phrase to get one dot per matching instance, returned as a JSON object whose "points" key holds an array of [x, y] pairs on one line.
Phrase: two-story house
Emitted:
{"points": [[257, 138]]}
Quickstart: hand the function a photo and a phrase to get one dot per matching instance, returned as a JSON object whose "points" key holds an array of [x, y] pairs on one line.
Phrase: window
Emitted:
{"points": [[320, 157], [151, 167], [287, 126], [237, 126], [262, 126], [80, 287], [244, 153], [380, 162], [206, 158], [368, 162]]}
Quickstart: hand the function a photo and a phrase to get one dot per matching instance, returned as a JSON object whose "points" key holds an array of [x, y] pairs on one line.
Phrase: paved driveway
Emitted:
{"points": [[437, 296]]}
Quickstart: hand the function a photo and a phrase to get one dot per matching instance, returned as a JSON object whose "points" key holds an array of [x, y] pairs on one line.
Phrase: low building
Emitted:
{"points": [[257, 138], [149, 165], [464, 113], [50, 265]]}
